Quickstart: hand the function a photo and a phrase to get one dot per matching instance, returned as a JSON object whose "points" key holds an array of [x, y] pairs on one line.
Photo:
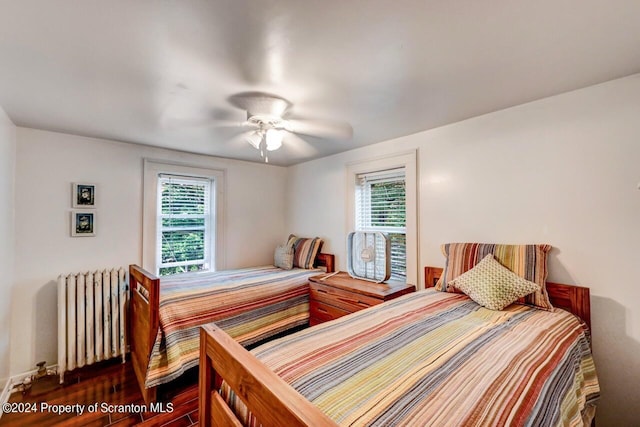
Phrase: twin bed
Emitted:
{"points": [[251, 305], [427, 358]]}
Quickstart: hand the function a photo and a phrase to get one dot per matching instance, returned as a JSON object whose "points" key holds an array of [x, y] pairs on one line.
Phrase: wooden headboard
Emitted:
{"points": [[574, 299], [327, 261]]}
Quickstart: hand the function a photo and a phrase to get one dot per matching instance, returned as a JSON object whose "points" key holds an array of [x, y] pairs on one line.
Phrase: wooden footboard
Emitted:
{"points": [[144, 323], [268, 397]]}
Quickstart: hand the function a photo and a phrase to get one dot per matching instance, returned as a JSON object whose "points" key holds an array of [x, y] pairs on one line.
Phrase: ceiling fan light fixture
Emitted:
{"points": [[269, 120], [273, 138], [255, 138]]}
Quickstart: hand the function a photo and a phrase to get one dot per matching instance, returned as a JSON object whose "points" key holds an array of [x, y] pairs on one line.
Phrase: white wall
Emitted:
{"points": [[563, 170], [7, 160], [47, 164]]}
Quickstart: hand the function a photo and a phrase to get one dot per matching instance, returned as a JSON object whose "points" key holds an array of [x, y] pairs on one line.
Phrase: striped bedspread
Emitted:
{"points": [[250, 304], [435, 358]]}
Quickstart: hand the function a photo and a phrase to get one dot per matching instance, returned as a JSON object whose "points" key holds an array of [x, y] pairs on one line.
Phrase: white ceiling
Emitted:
{"points": [[156, 72]]}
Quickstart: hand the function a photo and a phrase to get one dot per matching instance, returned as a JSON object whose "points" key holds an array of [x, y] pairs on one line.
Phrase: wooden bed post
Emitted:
{"points": [[431, 276], [205, 378], [144, 321], [327, 261]]}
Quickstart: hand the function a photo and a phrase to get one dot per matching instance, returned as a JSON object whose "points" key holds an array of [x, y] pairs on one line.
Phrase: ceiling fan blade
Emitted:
{"points": [[321, 128], [227, 124], [199, 121], [298, 146]]}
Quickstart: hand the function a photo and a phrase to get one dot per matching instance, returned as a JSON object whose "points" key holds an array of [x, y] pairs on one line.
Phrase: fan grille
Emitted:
{"points": [[369, 256]]}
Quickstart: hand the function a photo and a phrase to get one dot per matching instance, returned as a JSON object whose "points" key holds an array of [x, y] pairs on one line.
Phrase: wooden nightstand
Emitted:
{"points": [[341, 294]]}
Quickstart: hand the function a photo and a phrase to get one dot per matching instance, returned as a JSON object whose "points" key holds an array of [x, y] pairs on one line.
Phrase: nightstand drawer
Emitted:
{"points": [[325, 312], [335, 295], [348, 301]]}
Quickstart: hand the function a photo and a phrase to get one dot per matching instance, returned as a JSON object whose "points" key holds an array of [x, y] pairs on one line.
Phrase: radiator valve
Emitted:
{"points": [[42, 371]]}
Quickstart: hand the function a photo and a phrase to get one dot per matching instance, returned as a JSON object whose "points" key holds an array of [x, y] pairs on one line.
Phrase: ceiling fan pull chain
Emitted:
{"points": [[263, 151]]}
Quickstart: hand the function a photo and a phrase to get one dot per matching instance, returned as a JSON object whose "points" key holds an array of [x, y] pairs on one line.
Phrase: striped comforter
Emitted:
{"points": [[250, 304], [435, 358]]}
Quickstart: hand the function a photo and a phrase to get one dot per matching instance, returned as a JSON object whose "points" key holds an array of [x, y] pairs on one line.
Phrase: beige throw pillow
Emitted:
{"points": [[283, 257], [492, 285]]}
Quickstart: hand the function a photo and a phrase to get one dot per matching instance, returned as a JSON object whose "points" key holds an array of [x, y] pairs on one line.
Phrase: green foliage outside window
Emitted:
{"points": [[388, 207], [183, 222]]}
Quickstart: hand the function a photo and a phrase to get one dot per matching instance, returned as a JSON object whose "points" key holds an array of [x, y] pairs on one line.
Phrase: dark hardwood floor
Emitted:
{"points": [[114, 389]]}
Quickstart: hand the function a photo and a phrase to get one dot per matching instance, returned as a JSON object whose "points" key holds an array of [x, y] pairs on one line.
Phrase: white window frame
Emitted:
{"points": [[406, 160], [363, 207], [152, 171]]}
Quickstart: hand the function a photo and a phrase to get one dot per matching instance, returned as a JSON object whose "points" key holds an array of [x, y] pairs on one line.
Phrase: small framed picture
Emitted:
{"points": [[84, 195], [83, 224]]}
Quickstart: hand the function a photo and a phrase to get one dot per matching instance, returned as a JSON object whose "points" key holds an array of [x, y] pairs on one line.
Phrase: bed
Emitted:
{"points": [[426, 358], [251, 304]]}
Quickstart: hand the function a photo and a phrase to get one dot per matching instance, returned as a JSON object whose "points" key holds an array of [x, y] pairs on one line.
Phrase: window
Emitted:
{"points": [[183, 224], [380, 184], [183, 218], [380, 203]]}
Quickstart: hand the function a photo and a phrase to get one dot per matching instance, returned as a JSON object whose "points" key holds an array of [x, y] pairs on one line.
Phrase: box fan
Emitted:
{"points": [[369, 256]]}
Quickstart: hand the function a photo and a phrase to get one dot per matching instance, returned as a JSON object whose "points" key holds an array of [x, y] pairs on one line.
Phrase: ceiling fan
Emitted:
{"points": [[269, 124]]}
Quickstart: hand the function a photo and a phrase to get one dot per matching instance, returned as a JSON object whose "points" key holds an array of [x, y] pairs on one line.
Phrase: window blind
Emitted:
{"points": [[184, 224], [381, 206]]}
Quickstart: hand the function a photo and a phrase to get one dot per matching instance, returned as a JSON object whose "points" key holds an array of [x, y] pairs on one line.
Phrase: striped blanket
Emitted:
{"points": [[249, 304], [435, 358]]}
